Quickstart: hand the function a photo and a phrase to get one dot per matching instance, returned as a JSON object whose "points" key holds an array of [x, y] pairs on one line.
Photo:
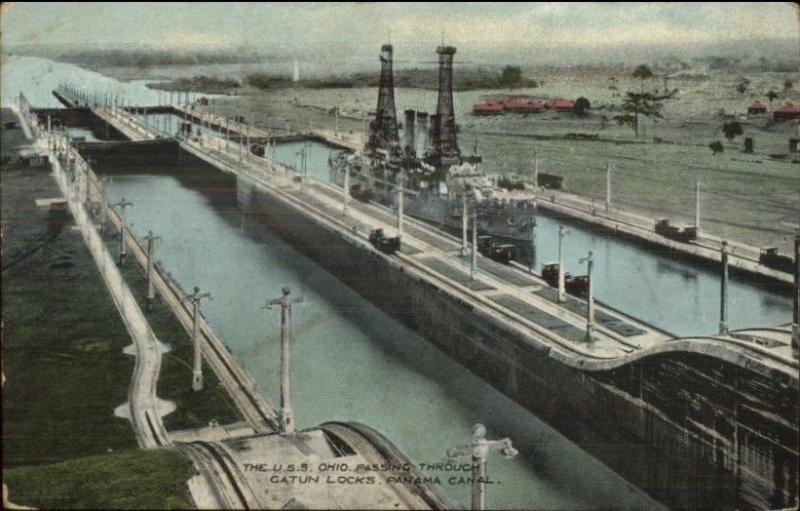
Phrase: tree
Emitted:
{"points": [[771, 95], [511, 76], [643, 73], [732, 130], [646, 104], [742, 88], [788, 84], [716, 147], [581, 106]]}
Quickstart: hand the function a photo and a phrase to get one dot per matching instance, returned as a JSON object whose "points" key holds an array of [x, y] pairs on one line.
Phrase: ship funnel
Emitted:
{"points": [[408, 133], [422, 133], [383, 130], [443, 131], [433, 136]]}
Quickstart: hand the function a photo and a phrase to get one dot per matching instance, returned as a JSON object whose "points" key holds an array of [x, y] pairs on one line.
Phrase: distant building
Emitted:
{"points": [[560, 105], [786, 112], [488, 107], [756, 108], [522, 105]]}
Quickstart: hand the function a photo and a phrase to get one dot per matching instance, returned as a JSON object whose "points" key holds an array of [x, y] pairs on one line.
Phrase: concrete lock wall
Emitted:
{"points": [[657, 449]]}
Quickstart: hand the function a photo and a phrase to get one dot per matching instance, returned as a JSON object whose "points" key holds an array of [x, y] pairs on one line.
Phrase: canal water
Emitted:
{"points": [[351, 361]]}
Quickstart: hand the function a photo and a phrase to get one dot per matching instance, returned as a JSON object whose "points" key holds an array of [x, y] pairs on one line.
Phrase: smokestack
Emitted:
{"points": [[408, 134], [445, 144], [422, 133], [383, 133], [433, 136]]}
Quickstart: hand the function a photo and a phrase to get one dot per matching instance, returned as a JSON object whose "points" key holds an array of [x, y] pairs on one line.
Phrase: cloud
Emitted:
{"points": [[320, 27]]}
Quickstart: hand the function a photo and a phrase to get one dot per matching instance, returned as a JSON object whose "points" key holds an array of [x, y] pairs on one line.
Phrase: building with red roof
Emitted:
{"points": [[756, 108], [560, 105], [488, 107], [522, 105], [786, 112]]}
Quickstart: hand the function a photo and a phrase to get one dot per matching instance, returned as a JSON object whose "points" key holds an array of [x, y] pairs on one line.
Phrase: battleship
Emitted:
{"points": [[439, 184]]}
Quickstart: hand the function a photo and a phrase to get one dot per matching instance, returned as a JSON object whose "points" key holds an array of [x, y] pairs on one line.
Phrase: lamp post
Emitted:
{"points": [[464, 224], [151, 294], [478, 450], [286, 302], [474, 260], [101, 190], [400, 210], [122, 205], [697, 207], [561, 292], [796, 302], [346, 201], [590, 299], [723, 290], [197, 371]]}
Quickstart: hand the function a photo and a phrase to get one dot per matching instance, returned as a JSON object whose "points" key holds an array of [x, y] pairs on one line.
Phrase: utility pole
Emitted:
{"points": [[101, 188], [474, 260], [697, 207], [590, 300], [151, 293], [301, 171], [122, 205], [608, 187], [464, 224], [86, 184], [533, 242], [346, 201], [561, 292], [400, 211], [796, 309], [287, 422], [478, 450], [197, 371], [535, 172], [723, 305]]}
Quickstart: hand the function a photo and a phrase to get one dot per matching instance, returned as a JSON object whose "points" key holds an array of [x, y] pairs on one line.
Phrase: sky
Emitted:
{"points": [[331, 27]]}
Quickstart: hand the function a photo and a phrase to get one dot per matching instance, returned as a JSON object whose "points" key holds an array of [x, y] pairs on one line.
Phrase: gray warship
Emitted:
{"points": [[438, 183]]}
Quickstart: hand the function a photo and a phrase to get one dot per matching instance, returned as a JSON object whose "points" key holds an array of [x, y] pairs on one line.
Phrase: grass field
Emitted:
{"points": [[62, 336], [131, 479], [753, 198], [62, 356], [193, 409]]}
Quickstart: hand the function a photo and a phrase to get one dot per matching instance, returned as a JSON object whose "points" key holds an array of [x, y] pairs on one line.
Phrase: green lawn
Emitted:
{"points": [[131, 479], [62, 342], [62, 337], [194, 409]]}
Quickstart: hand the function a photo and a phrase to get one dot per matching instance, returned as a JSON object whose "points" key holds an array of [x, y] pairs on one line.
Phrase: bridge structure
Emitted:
{"points": [[724, 405]]}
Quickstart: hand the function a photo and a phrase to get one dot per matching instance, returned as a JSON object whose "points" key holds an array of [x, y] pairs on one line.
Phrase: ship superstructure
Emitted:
{"points": [[437, 179]]}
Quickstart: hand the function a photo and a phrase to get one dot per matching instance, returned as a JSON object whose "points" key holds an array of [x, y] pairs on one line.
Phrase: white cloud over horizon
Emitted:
{"points": [[321, 27]]}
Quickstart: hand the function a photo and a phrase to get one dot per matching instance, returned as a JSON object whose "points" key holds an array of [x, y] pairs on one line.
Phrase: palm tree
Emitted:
{"points": [[642, 72]]}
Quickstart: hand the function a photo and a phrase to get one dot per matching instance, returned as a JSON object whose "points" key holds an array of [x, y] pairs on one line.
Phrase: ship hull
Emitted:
{"points": [[507, 220]]}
